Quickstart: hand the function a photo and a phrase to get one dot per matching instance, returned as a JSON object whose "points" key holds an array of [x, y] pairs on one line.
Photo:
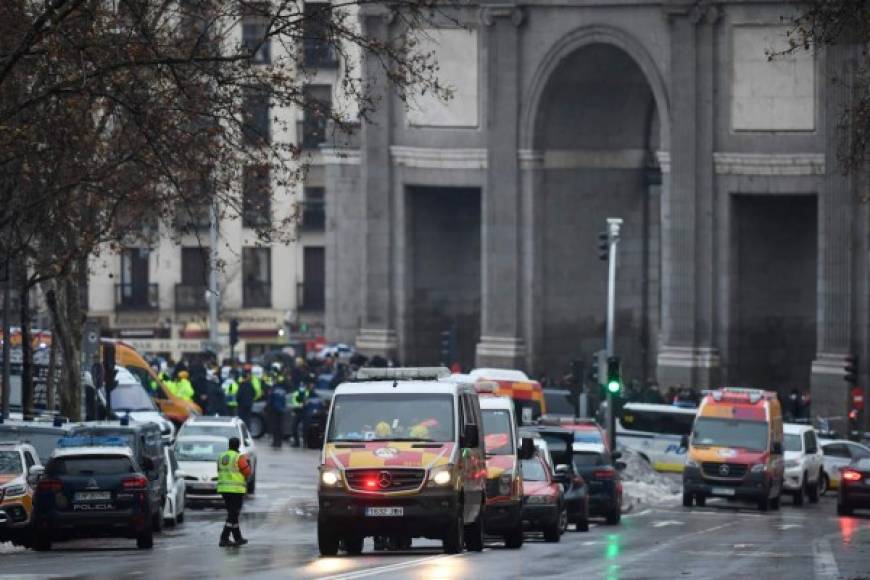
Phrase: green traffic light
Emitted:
{"points": [[613, 387]]}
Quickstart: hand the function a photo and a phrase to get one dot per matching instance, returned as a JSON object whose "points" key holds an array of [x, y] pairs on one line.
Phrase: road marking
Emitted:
{"points": [[824, 564], [643, 513], [789, 526], [667, 523], [390, 568]]}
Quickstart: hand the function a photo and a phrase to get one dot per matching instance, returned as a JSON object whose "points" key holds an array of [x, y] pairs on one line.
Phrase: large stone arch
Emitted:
{"points": [[596, 118]]}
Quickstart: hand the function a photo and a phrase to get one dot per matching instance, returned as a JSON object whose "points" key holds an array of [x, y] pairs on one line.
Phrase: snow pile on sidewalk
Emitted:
{"points": [[9, 548], [644, 486]]}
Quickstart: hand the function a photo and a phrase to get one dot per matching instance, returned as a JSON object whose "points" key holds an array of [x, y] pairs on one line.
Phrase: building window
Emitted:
{"points": [[313, 294], [256, 277], [135, 292], [193, 214], [255, 41], [313, 209], [318, 51], [255, 117], [318, 108], [190, 294], [256, 197]]}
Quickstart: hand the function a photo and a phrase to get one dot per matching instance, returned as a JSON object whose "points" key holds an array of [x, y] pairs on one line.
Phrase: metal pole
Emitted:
{"points": [[613, 226], [213, 295], [7, 342]]}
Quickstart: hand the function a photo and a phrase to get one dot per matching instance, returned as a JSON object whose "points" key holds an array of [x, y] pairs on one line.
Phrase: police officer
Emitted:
{"points": [[231, 393], [297, 401], [246, 396], [233, 473], [183, 386]]}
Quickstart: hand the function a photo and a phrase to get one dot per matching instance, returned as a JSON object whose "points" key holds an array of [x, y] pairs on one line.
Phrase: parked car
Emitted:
{"points": [[225, 427], [173, 507], [601, 471], [543, 500], [854, 490], [17, 461], [197, 457], [560, 443], [94, 491], [803, 462], [837, 454]]}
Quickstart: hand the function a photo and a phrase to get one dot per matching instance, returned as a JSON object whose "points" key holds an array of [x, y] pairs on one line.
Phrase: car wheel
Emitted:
{"points": [[327, 542], [514, 539], [353, 545], [583, 524], [42, 543], [552, 532], [843, 509], [825, 484], [687, 499], [614, 516], [563, 521], [257, 426], [813, 490], [701, 500], [169, 522], [453, 540], [474, 535], [799, 497], [145, 540]]}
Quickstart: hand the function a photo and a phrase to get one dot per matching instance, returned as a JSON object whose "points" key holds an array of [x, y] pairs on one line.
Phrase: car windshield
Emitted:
{"points": [[131, 398], [533, 470], [89, 465], [750, 435], [199, 449], [10, 463], [210, 430], [497, 432], [558, 402], [792, 443], [392, 417], [588, 459]]}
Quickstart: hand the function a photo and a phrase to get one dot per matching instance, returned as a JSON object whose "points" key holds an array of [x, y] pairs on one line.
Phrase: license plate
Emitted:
{"points": [[384, 512], [723, 491], [92, 495]]}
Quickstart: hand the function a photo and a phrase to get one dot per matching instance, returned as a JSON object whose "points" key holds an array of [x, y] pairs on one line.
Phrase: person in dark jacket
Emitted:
{"points": [[246, 396], [278, 405]]}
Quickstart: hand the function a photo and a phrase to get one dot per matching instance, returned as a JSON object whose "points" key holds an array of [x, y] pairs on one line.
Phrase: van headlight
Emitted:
{"points": [[758, 468], [441, 475], [691, 463], [330, 477], [15, 490]]}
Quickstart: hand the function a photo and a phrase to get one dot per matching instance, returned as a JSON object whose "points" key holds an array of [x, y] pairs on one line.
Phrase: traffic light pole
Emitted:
{"points": [[213, 296], [613, 227]]}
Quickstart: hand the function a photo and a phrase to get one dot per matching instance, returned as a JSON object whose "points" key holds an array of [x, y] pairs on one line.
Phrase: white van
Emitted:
{"points": [[654, 432]]}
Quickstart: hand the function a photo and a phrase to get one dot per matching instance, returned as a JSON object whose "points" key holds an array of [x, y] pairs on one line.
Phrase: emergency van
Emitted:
{"points": [[735, 449], [527, 394], [403, 457]]}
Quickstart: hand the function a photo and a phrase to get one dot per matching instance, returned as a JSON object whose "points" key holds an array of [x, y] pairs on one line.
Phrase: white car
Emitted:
{"points": [[840, 453], [129, 398], [225, 427], [197, 457], [173, 508], [803, 463]]}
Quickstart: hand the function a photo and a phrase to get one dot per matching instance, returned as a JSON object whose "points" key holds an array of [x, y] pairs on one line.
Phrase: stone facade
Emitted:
{"points": [[668, 114]]}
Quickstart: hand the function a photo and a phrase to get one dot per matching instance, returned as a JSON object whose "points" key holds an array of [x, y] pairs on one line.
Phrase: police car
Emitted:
{"points": [[93, 487]]}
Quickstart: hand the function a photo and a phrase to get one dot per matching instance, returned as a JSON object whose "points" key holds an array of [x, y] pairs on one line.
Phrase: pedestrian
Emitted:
{"points": [[233, 473], [278, 405], [297, 401], [183, 386], [245, 397], [216, 398], [231, 392]]}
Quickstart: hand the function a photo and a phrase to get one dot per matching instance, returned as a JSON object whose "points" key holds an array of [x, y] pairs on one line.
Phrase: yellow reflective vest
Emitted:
{"points": [[230, 478]]}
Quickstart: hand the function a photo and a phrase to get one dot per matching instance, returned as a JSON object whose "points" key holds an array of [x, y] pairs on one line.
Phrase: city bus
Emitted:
{"points": [[654, 432]]}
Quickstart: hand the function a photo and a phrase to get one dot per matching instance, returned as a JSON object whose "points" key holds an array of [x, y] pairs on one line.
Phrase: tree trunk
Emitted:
{"points": [[26, 345], [62, 296]]}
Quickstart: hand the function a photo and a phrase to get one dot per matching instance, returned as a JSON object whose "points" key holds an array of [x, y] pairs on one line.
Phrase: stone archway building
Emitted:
{"points": [[745, 249]]}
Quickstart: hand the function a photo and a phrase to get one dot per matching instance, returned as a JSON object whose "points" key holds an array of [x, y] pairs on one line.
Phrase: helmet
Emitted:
{"points": [[300, 362], [276, 366], [419, 431], [382, 429], [183, 374]]}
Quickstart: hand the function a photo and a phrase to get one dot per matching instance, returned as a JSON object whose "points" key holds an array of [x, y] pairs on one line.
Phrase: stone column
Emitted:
{"points": [[829, 391], [686, 354], [377, 333], [501, 343]]}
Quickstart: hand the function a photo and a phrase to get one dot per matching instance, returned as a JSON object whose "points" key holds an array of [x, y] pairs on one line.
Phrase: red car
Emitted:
{"points": [[543, 500]]}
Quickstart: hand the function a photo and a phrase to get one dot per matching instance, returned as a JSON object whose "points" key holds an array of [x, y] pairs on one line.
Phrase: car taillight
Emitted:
{"points": [[604, 473], [138, 482], [49, 485], [850, 475]]}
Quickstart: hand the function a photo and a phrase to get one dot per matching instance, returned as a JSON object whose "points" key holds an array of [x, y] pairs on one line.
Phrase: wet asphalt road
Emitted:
{"points": [[723, 540]]}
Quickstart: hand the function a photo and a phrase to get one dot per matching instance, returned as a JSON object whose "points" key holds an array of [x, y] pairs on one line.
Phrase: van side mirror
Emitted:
{"points": [[776, 449], [684, 441], [471, 436], [527, 448], [35, 474]]}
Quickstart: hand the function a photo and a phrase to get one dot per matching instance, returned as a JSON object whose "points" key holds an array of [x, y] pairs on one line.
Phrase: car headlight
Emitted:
{"points": [[14, 490], [504, 483], [758, 468], [791, 463], [440, 475], [540, 499], [691, 463], [330, 477]]}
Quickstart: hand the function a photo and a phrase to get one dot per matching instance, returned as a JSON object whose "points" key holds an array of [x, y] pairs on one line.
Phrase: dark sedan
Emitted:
{"points": [[601, 470], [854, 490]]}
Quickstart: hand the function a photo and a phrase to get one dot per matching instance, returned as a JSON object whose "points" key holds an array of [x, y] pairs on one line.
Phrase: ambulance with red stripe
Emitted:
{"points": [[735, 449], [403, 457], [527, 394]]}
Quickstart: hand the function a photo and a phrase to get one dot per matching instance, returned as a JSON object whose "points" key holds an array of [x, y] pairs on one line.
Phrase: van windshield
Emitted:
{"points": [[392, 417], [497, 432], [751, 435]]}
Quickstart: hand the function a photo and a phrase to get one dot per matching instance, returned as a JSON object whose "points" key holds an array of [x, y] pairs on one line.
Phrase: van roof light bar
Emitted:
{"points": [[402, 374]]}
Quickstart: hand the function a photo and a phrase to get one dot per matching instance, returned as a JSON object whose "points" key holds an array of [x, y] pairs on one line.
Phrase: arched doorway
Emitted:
{"points": [[597, 130]]}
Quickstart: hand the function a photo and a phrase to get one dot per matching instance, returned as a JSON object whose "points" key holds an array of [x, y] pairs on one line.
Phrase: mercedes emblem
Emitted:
{"points": [[724, 470], [385, 479]]}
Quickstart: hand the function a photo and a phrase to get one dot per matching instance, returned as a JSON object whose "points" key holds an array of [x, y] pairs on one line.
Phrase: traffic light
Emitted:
{"points": [[234, 332], [446, 347], [598, 368], [614, 375], [603, 246], [851, 370]]}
